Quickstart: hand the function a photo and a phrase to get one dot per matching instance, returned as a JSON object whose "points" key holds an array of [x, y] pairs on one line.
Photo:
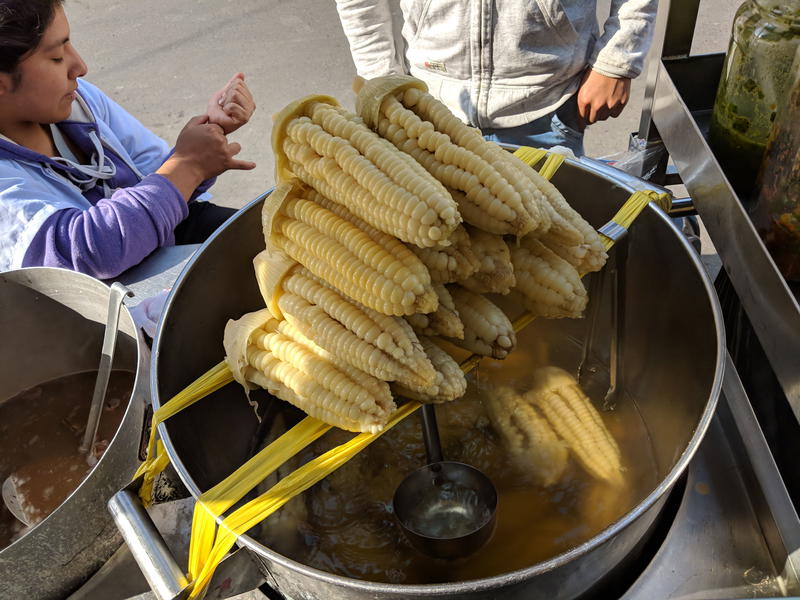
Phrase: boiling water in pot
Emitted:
{"points": [[344, 524], [40, 431]]}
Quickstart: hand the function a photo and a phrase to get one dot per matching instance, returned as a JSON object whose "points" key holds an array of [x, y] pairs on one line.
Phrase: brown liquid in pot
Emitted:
{"points": [[40, 431], [344, 524]]}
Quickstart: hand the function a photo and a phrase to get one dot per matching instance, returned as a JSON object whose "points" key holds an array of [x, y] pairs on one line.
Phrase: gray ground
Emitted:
{"points": [[162, 60]]}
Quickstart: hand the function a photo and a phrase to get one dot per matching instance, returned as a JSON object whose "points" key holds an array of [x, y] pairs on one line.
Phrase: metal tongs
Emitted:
{"points": [[615, 271]]}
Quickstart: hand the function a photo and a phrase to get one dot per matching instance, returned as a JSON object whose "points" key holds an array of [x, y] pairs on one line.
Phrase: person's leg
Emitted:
{"points": [[203, 219], [559, 128]]}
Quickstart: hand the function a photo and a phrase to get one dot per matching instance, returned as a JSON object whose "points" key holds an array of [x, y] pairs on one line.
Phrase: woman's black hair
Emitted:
{"points": [[22, 25]]}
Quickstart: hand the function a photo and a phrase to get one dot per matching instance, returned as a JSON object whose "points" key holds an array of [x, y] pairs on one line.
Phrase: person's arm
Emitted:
{"points": [[368, 27], [618, 56], [148, 152], [627, 35], [112, 236], [118, 232]]}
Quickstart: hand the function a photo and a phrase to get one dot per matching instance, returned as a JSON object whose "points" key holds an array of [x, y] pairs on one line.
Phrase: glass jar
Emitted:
{"points": [[777, 215], [755, 79]]}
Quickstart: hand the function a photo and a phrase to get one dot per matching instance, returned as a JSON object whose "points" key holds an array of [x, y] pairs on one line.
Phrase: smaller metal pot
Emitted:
{"points": [[53, 322]]}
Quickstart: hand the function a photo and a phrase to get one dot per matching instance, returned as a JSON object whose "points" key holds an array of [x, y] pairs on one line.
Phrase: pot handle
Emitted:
{"points": [[147, 546]]}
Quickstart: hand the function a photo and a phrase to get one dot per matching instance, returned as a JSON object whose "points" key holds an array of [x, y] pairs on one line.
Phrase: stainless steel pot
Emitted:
{"points": [[672, 343], [52, 323]]}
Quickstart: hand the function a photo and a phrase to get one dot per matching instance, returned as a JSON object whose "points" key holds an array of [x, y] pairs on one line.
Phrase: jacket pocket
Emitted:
{"points": [[556, 18]]}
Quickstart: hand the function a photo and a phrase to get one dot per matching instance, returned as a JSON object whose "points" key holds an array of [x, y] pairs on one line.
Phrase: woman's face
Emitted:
{"points": [[46, 78]]}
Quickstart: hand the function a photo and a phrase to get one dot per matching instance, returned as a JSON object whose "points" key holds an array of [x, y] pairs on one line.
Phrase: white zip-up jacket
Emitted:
{"points": [[499, 63]]}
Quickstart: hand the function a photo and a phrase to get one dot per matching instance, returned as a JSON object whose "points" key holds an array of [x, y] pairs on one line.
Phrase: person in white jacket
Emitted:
{"points": [[528, 72]]}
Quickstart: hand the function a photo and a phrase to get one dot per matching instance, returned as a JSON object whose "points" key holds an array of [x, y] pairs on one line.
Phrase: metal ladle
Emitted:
{"points": [[447, 509]]}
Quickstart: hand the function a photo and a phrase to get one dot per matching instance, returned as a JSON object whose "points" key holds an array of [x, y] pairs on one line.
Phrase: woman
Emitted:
{"points": [[83, 185]]}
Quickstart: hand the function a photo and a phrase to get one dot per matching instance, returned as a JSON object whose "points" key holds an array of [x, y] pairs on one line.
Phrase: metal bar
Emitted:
{"points": [[768, 301], [148, 548]]}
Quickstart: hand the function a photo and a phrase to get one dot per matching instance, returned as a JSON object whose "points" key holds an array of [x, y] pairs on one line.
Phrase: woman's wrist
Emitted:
{"points": [[183, 174]]}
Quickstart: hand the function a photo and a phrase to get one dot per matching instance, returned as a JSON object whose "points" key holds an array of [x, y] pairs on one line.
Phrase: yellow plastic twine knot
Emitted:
{"points": [[618, 227]]}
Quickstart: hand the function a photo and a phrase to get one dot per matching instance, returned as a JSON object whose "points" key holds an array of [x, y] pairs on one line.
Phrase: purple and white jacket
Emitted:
{"points": [[99, 220]]}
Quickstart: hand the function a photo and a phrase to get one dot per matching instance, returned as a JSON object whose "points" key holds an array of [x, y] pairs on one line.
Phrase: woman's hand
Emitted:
{"points": [[202, 151], [232, 106], [600, 96]]}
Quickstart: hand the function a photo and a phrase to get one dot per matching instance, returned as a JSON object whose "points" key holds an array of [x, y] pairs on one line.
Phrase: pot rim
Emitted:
{"points": [[621, 179], [140, 378]]}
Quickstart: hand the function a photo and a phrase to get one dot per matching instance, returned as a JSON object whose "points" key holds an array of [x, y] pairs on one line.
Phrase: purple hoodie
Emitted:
{"points": [[106, 230]]}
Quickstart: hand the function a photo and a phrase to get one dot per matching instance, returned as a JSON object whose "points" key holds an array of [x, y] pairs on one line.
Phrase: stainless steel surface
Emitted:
{"points": [[450, 483], [736, 533], [165, 577], [777, 515], [618, 282], [768, 301], [158, 271], [685, 365], [116, 295], [52, 322]]}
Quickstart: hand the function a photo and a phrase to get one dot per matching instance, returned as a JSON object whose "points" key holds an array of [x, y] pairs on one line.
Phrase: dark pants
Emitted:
{"points": [[204, 218]]}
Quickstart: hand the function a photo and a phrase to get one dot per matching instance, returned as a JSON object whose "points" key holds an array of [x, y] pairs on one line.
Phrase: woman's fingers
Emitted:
{"points": [[233, 163]]}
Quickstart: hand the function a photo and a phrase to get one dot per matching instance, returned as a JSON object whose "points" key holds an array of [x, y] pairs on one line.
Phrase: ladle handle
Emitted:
{"points": [[165, 577], [115, 297], [430, 433]]}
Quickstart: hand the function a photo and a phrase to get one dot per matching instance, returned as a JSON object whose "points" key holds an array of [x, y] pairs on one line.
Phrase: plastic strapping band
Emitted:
{"points": [[613, 230]]}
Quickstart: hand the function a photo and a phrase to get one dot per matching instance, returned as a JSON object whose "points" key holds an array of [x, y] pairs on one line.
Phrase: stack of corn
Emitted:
{"points": [[389, 230]]}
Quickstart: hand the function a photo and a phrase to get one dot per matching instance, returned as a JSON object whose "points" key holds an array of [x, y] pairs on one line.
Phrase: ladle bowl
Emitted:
{"points": [[446, 509]]}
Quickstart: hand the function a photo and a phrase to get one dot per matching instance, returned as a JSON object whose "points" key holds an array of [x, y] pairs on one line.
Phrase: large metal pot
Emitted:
{"points": [[52, 323], [672, 345]]}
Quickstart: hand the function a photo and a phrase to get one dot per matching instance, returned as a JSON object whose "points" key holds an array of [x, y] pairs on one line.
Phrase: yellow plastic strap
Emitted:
{"points": [[154, 466], [530, 156], [255, 511], [550, 166], [233, 488], [215, 378], [618, 227]]}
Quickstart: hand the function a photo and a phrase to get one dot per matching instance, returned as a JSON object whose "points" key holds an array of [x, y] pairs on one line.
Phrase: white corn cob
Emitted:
{"points": [[374, 269], [572, 415], [383, 346], [550, 286], [258, 353], [530, 441], [450, 263], [495, 274], [444, 321], [566, 220], [450, 381], [585, 257], [494, 195], [487, 329], [332, 151]]}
